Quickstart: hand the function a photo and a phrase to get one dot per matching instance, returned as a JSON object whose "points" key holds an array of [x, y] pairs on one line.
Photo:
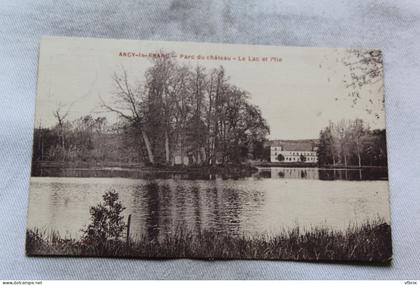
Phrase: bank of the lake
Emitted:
{"points": [[76, 169], [368, 242]]}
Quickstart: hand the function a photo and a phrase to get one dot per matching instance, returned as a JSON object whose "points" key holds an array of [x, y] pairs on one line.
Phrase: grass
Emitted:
{"points": [[370, 242]]}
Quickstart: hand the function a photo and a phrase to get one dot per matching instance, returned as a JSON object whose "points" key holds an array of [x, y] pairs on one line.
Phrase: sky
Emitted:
{"points": [[299, 90]]}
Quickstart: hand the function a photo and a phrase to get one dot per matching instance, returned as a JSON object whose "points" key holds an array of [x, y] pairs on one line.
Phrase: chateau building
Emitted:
{"points": [[292, 151]]}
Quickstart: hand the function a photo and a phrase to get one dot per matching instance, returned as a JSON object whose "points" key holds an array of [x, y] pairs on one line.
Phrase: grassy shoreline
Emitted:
{"points": [[370, 242]]}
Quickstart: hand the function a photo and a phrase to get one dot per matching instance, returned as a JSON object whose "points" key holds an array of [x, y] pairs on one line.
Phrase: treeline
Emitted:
{"points": [[352, 143], [179, 115], [86, 139]]}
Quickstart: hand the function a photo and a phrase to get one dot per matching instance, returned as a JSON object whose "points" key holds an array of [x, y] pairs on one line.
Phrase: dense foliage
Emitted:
{"points": [[191, 114], [106, 221]]}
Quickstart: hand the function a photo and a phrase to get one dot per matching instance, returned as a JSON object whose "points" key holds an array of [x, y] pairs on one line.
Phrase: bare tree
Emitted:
{"points": [[357, 131], [61, 113], [160, 85], [183, 112], [128, 104], [340, 132]]}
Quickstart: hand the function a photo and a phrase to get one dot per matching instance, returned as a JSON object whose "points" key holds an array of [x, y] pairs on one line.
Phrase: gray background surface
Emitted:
{"points": [[393, 26]]}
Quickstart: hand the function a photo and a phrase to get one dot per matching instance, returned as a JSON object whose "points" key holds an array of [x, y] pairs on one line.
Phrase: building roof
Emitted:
{"points": [[295, 145]]}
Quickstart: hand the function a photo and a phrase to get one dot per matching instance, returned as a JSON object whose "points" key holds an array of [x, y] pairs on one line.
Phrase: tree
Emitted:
{"points": [[280, 157], [128, 105], [302, 158], [353, 143], [357, 131], [106, 221], [160, 87], [61, 113], [176, 112], [365, 70], [341, 132], [182, 103], [196, 129], [188, 112], [216, 90], [327, 151], [44, 140]]}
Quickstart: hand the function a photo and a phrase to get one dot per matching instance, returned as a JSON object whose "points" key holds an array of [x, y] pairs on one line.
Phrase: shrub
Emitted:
{"points": [[106, 222]]}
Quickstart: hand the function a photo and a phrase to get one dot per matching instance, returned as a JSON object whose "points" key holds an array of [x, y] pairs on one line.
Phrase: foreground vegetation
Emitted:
{"points": [[108, 235], [369, 242]]}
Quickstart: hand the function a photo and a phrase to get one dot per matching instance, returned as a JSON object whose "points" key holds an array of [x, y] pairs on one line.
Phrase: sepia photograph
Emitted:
{"points": [[148, 149]]}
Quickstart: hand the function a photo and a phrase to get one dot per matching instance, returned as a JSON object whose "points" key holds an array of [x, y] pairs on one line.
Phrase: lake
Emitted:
{"points": [[271, 200]]}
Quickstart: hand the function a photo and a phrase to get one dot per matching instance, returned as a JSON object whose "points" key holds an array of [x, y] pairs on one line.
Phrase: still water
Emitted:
{"points": [[266, 203]]}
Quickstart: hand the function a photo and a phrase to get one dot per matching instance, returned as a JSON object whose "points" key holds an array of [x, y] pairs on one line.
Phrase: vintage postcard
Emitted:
{"points": [[151, 149]]}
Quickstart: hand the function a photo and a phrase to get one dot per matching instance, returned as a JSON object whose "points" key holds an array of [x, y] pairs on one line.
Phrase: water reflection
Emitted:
{"points": [[148, 174], [312, 173], [322, 173], [238, 207], [152, 203], [266, 201], [160, 207]]}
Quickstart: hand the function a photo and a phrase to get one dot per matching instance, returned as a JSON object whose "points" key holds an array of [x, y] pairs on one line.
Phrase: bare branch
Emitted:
{"points": [[111, 109]]}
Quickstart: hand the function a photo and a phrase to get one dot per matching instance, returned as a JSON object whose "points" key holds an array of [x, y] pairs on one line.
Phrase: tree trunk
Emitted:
{"points": [[203, 155], [358, 155], [63, 149], [42, 149], [181, 150], [168, 155], [148, 147]]}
